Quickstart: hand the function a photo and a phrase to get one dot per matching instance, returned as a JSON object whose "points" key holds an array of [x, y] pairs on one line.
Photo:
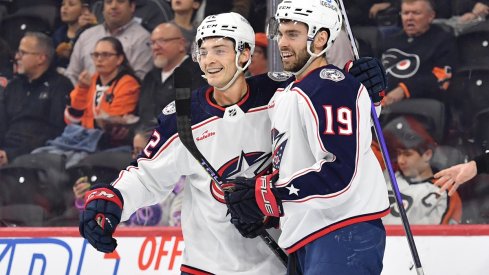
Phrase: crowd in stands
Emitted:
{"points": [[83, 81]]}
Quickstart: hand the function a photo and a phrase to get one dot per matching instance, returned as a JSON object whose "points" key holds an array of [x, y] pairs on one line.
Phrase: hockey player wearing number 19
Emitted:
{"points": [[327, 186], [231, 128]]}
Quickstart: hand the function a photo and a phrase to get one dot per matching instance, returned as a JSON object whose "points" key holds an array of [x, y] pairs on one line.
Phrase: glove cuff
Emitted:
{"points": [[265, 197], [104, 192]]}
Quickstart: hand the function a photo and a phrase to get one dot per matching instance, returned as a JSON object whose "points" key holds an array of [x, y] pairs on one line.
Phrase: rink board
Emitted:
{"points": [[448, 250]]}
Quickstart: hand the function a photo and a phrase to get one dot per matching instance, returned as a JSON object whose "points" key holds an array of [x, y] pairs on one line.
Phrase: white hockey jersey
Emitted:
{"points": [[236, 141], [423, 205], [329, 176]]}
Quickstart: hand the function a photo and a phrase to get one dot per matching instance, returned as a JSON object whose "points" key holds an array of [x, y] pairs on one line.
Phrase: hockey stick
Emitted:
{"points": [[385, 155], [184, 128]]}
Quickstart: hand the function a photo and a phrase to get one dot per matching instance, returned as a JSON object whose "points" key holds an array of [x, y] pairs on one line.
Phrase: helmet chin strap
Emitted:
{"points": [[239, 70], [312, 57]]}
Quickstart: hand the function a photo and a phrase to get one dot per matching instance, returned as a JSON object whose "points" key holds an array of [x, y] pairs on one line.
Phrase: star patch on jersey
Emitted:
{"points": [[169, 109], [332, 74], [279, 76]]}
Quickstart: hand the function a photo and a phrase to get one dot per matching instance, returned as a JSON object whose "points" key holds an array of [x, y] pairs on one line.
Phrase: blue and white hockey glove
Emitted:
{"points": [[370, 72], [250, 200], [102, 214]]}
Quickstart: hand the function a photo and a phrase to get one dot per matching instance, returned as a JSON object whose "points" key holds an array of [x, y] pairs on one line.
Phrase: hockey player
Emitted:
{"points": [[326, 185], [232, 130]]}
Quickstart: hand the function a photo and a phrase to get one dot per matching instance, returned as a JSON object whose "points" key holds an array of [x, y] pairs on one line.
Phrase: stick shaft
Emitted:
{"points": [[385, 156]]}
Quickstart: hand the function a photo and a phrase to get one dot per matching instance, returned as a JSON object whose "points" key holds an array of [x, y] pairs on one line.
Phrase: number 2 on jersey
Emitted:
{"points": [[343, 117]]}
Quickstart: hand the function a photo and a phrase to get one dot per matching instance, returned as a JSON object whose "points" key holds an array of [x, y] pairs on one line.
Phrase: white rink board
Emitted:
{"points": [[440, 255], [158, 251]]}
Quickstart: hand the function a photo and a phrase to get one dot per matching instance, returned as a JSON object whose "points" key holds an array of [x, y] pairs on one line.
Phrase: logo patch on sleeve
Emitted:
{"points": [[279, 76], [332, 74], [169, 109]]}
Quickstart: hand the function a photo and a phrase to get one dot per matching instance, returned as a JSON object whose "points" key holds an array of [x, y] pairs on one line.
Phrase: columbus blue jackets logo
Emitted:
{"points": [[400, 64], [332, 74], [169, 109], [279, 143], [279, 76], [247, 165]]}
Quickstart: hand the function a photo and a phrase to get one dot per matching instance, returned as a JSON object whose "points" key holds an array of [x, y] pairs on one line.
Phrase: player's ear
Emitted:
{"points": [[244, 56], [320, 40]]}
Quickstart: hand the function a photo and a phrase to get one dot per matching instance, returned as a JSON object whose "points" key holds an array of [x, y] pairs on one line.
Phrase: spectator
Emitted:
{"points": [[423, 201], [76, 16], [33, 102], [107, 98], [460, 15], [364, 12], [452, 177], [420, 59], [217, 6], [259, 60], [119, 23], [464, 10], [157, 91], [6, 63], [166, 213], [184, 11]]}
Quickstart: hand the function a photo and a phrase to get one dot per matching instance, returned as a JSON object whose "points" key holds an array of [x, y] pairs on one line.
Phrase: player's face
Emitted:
{"points": [[167, 45], [117, 13], [217, 60], [70, 10], [292, 41], [28, 56], [416, 17], [105, 59], [411, 163]]}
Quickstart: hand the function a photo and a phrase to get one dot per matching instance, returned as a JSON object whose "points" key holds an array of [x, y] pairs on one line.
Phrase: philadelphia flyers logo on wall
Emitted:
{"points": [[400, 64]]}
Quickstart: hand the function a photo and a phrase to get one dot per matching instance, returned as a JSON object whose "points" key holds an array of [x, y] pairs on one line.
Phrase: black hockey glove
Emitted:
{"points": [[252, 230], [370, 72], [250, 200], [102, 214]]}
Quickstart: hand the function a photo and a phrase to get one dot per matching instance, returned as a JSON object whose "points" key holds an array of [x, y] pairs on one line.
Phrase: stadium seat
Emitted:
{"points": [[473, 46], [16, 25], [15, 215], [468, 95], [429, 112], [37, 179], [101, 167]]}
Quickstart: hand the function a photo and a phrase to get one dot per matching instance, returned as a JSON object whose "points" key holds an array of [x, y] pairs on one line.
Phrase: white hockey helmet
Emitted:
{"points": [[316, 14], [228, 25]]}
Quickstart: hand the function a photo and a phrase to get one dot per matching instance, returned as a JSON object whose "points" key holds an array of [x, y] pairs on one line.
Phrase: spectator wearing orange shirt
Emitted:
{"points": [[110, 96]]}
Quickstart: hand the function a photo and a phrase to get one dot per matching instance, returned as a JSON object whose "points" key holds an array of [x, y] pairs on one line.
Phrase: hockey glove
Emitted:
{"points": [[102, 214], [250, 200], [252, 230], [370, 72]]}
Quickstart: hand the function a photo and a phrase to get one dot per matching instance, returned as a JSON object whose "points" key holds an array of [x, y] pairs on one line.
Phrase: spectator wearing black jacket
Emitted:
{"points": [[419, 60], [157, 90], [32, 105]]}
